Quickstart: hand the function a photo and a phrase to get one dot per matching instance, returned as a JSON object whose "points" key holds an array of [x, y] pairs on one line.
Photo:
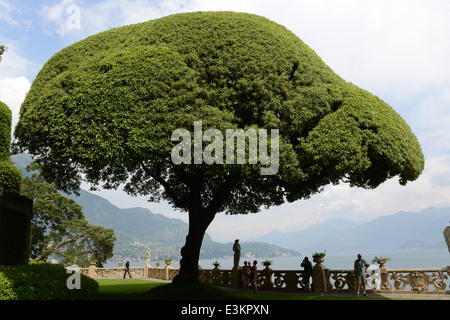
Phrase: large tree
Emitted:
{"points": [[104, 109], [58, 227]]}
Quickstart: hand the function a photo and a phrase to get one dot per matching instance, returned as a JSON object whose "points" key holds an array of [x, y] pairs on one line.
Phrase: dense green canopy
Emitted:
{"points": [[10, 176], [104, 109]]}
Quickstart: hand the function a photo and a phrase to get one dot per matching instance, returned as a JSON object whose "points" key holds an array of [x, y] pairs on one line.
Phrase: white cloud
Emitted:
{"points": [[6, 10], [12, 93]]}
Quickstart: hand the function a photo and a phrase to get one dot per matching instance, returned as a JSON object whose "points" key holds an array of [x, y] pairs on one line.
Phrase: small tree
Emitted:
{"points": [[58, 227], [104, 110]]}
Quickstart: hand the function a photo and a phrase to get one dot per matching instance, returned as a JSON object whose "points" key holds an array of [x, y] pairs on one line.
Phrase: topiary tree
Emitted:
{"points": [[105, 109], [10, 176], [15, 212]]}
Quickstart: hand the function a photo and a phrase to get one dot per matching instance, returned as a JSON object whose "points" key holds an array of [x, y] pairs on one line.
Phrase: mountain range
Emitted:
{"points": [[139, 229], [403, 231]]}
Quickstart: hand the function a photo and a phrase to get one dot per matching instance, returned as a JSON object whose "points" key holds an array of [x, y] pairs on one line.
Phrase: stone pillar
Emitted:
{"points": [[92, 270], [167, 269], [16, 213], [236, 277], [384, 274], [267, 276], [320, 277]]}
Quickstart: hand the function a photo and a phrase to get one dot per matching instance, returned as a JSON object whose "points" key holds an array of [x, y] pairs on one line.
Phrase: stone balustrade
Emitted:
{"points": [[431, 280]]}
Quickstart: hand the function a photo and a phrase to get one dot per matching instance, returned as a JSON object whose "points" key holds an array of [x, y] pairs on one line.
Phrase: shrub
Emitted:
{"points": [[5, 131], [10, 176], [42, 281], [15, 229]]}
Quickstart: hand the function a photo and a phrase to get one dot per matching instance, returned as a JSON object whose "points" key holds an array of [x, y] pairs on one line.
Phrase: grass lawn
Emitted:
{"points": [[137, 289], [124, 289]]}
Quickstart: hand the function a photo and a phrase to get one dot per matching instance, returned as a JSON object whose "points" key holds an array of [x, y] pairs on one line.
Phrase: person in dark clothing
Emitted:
{"points": [[253, 276], [307, 273], [127, 269]]}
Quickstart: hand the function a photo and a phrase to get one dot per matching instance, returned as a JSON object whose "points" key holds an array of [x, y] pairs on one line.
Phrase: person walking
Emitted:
{"points": [[127, 269], [360, 267], [307, 273]]}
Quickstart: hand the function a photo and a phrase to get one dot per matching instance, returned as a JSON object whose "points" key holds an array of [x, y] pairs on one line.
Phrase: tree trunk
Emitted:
{"points": [[199, 220]]}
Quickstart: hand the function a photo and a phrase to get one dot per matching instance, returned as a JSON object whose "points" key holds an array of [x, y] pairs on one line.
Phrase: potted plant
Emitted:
{"points": [[216, 264], [318, 257], [380, 260], [168, 261], [267, 263], [3, 49]]}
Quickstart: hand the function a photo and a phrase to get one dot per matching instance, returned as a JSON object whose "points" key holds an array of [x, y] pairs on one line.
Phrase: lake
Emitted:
{"points": [[399, 260]]}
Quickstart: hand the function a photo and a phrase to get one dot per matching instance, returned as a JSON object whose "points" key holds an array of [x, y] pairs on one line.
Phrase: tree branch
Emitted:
{"points": [[177, 201]]}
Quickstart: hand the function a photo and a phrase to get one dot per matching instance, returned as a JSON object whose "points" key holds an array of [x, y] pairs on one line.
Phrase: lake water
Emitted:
{"points": [[399, 260]]}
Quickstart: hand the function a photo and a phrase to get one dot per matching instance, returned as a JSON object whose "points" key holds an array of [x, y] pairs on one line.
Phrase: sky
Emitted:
{"points": [[396, 49]]}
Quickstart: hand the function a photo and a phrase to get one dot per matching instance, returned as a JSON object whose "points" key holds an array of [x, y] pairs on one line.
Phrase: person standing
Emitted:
{"points": [[254, 276], [245, 274], [360, 267], [307, 273], [127, 269]]}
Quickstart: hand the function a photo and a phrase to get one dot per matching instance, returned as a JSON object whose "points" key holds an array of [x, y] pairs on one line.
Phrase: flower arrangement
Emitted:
{"points": [[319, 254], [380, 260], [267, 263]]}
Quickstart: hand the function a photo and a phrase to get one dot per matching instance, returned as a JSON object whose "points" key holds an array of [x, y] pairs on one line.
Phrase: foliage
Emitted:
{"points": [[380, 260], [112, 101], [59, 227], [10, 176], [319, 254], [42, 281], [103, 110], [267, 263], [5, 131]]}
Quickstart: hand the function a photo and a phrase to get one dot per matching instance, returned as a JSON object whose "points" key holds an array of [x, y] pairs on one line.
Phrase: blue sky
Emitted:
{"points": [[397, 49]]}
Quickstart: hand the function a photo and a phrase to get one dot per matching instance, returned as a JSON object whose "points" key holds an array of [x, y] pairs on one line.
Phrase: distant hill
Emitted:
{"points": [[403, 231], [137, 229]]}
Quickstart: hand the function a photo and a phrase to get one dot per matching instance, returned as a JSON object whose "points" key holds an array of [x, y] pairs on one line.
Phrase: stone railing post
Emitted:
{"points": [[267, 276], [236, 277], [384, 274], [92, 270], [320, 276], [167, 271]]}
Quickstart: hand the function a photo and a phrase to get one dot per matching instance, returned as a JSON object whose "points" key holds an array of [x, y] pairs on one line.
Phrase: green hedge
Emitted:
{"points": [[10, 176], [42, 281], [5, 131], [15, 229]]}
